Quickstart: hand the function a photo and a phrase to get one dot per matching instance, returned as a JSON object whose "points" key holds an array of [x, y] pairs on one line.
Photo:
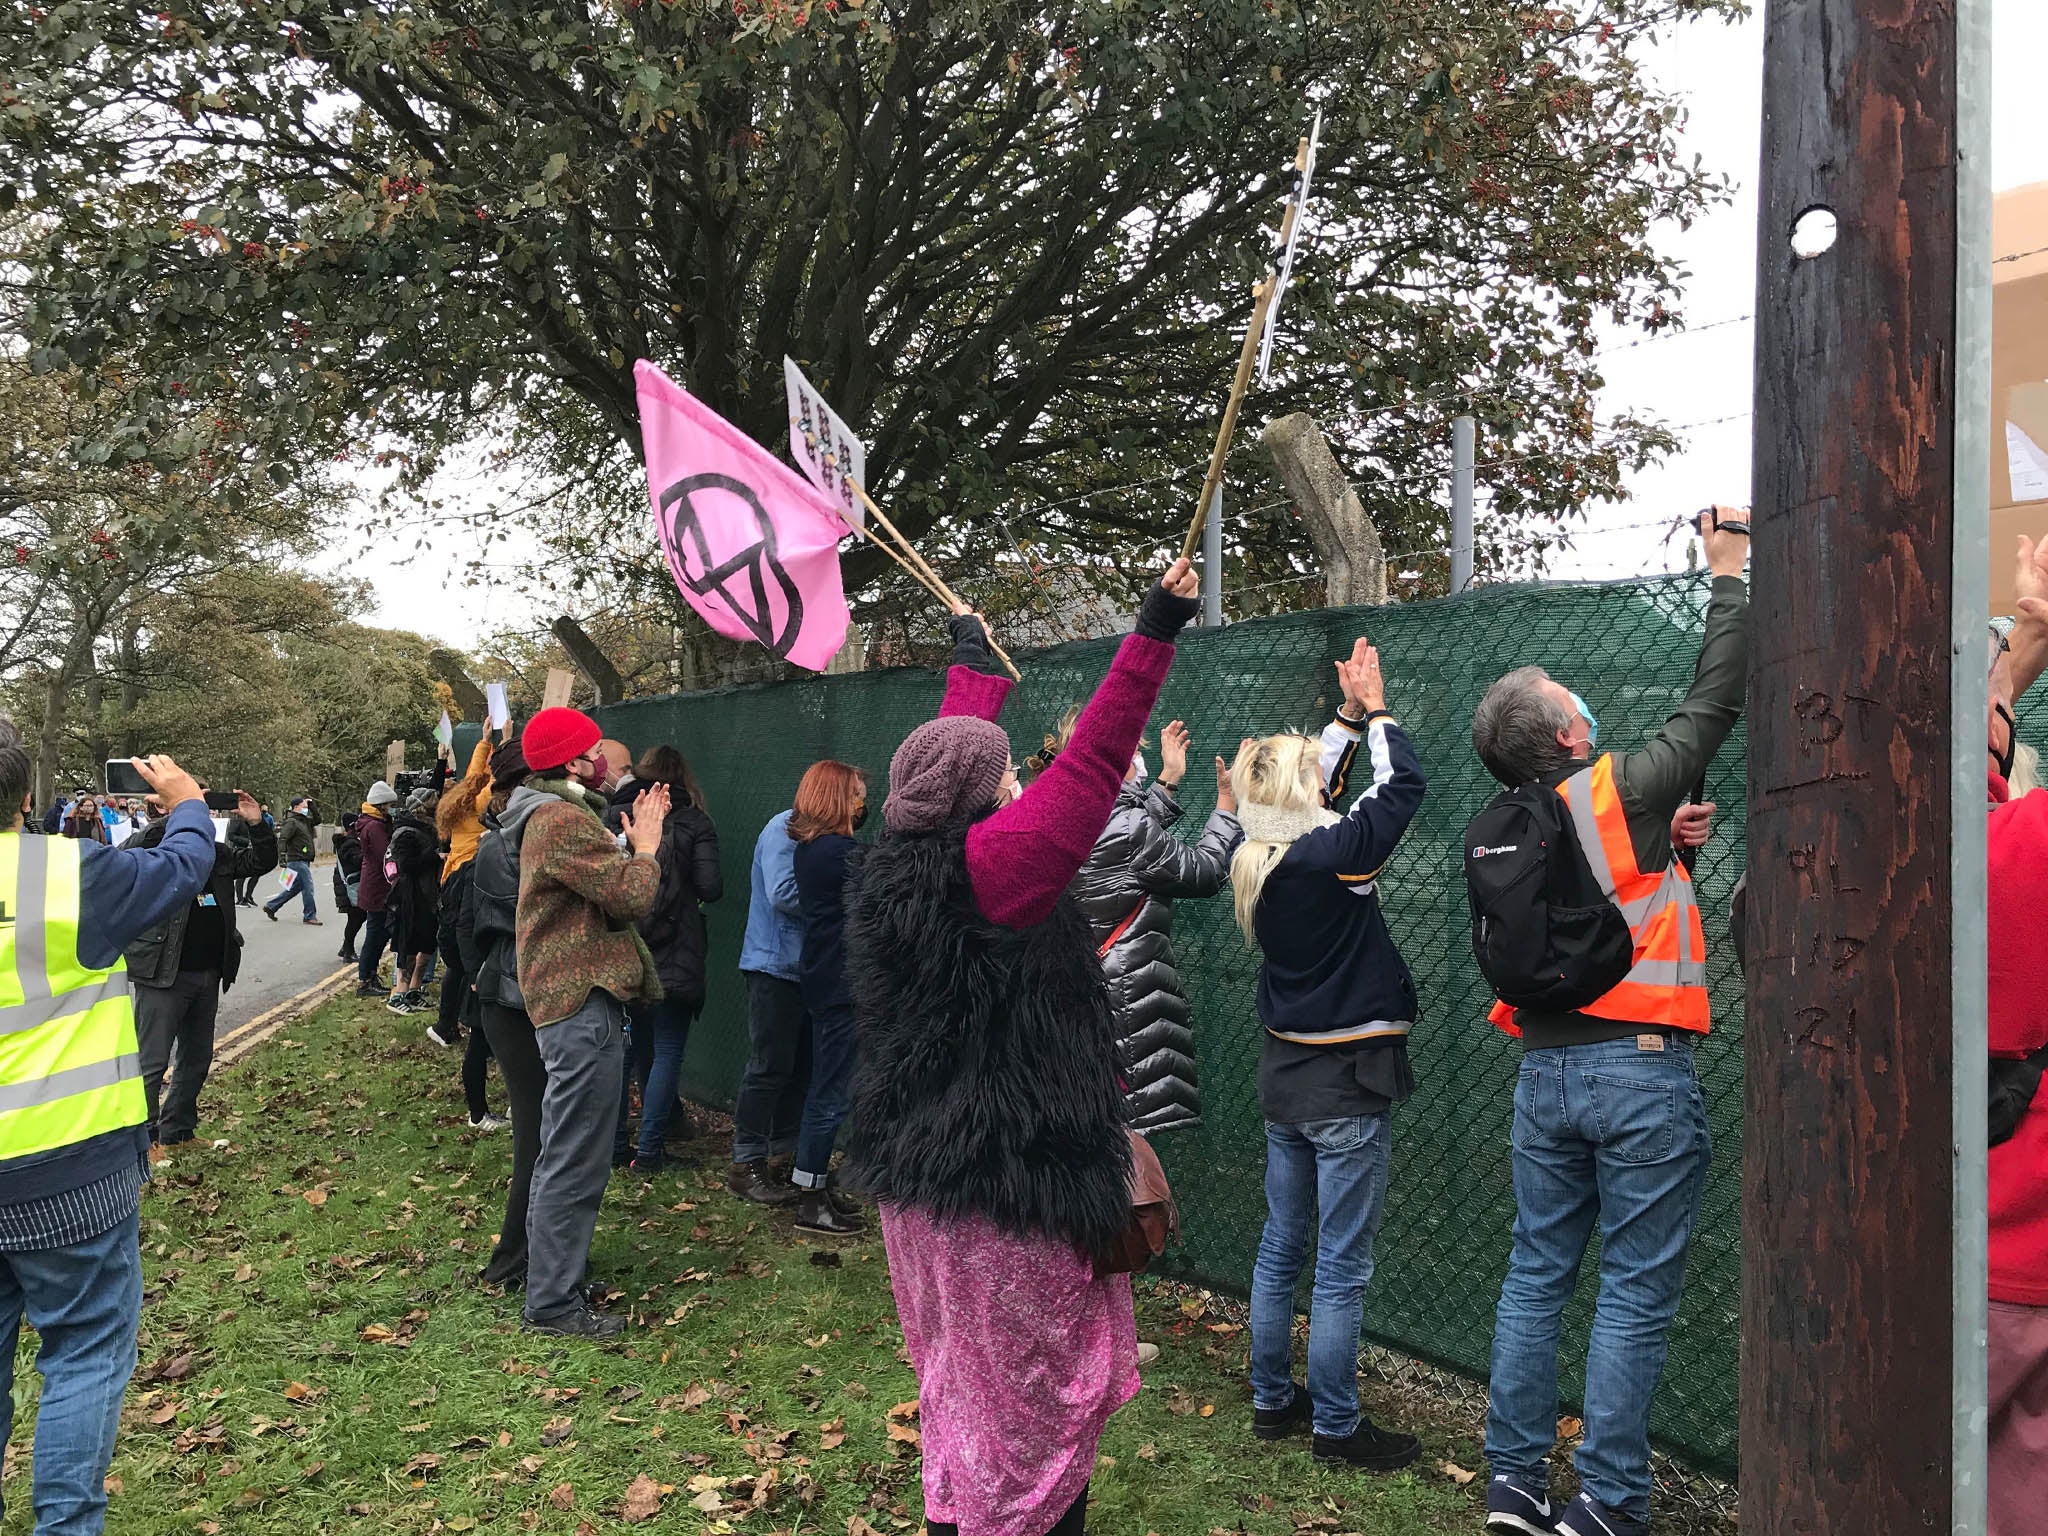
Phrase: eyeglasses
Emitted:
{"points": [[2001, 645]]}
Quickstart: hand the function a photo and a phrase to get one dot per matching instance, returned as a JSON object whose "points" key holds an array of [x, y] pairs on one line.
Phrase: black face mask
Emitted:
{"points": [[2005, 759], [860, 818]]}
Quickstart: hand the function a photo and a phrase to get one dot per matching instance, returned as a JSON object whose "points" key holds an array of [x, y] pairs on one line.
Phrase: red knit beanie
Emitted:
{"points": [[557, 736]]}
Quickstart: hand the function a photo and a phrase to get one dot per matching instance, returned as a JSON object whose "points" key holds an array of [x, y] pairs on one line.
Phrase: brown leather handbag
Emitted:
{"points": [[1154, 1220]]}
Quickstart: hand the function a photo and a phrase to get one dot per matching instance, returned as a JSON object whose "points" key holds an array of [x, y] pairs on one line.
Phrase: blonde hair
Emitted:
{"points": [[1056, 740], [1283, 772]]}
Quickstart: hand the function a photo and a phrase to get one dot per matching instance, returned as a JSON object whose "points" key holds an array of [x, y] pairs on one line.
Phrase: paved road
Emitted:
{"points": [[281, 959]]}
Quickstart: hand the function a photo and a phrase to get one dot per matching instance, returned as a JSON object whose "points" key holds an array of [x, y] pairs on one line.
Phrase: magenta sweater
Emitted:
{"points": [[1022, 858]]}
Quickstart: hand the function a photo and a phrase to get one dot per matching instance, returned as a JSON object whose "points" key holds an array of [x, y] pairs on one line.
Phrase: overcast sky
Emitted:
{"points": [[1703, 377]]}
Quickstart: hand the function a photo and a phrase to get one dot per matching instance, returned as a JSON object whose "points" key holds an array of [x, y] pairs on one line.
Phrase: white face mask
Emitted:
{"points": [[1137, 767]]}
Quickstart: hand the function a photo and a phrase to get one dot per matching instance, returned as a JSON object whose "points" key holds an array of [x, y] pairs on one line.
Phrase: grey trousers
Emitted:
{"points": [[585, 1056], [174, 1027]]}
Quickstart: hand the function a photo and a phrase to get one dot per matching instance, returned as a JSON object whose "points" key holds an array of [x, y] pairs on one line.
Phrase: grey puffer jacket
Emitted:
{"points": [[1139, 866]]}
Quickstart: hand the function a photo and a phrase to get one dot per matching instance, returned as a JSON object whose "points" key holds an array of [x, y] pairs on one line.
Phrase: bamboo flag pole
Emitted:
{"points": [[1263, 295], [926, 574]]}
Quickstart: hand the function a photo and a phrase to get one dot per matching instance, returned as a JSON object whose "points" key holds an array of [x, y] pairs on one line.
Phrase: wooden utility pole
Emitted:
{"points": [[1863, 1282]]}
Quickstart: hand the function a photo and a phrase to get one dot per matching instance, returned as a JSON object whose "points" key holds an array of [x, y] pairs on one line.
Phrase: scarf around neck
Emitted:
{"points": [[1275, 824], [567, 789]]}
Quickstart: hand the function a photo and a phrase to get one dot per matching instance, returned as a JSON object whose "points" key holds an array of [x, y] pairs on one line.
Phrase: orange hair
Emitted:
{"points": [[826, 800]]}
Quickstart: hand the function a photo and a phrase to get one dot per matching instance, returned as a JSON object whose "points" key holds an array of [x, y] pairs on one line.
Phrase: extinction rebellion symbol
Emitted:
{"points": [[749, 579]]}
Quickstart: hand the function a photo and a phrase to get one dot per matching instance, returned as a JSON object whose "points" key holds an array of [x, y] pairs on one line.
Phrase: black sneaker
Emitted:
{"points": [[373, 990], [271, 913], [579, 1322], [646, 1167], [435, 1037], [1279, 1423], [1515, 1508], [1369, 1448]]}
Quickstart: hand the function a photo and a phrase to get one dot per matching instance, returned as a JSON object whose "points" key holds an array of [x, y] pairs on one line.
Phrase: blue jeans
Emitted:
{"points": [[1340, 1165], [834, 1043], [667, 1024], [301, 886], [86, 1302], [1618, 1133]]}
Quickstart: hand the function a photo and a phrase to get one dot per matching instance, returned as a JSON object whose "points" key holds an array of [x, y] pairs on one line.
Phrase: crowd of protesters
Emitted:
{"points": [[983, 1002]]}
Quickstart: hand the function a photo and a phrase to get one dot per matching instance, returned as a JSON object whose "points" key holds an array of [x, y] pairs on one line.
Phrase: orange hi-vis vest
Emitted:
{"points": [[1666, 988]]}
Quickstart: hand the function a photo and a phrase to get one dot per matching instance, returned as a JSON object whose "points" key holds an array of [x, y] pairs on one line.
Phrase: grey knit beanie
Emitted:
{"points": [[949, 769]]}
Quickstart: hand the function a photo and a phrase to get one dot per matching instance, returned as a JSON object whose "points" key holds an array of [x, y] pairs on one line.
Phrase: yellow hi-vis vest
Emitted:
{"points": [[69, 1066]]}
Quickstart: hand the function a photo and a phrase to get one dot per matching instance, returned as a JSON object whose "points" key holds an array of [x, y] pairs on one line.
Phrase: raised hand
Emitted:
{"points": [[1173, 754], [247, 808], [644, 821], [1226, 796], [1180, 579], [1359, 677], [173, 785]]}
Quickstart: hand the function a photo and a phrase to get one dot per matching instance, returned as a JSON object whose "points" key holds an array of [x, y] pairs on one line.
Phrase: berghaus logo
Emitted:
{"points": [[1480, 853]]}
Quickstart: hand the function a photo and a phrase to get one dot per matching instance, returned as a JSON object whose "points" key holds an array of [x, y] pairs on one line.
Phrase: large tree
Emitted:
{"points": [[1014, 242]]}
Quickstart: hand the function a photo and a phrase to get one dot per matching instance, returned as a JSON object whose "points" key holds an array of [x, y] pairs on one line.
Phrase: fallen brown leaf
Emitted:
{"points": [[377, 1333], [315, 1197], [555, 1431], [694, 1396], [164, 1413], [562, 1496], [904, 1412], [299, 1392], [907, 1433], [833, 1435], [643, 1500], [1569, 1428], [1456, 1473]]}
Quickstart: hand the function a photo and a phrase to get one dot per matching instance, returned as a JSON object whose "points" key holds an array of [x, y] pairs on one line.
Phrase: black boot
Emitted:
{"points": [[816, 1213], [751, 1181], [842, 1202], [1369, 1448]]}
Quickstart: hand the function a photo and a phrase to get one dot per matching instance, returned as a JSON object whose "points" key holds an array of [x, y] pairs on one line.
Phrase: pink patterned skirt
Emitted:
{"points": [[1022, 1354]]}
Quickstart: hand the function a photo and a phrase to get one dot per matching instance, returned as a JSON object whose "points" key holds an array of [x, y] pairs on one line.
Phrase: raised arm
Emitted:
{"points": [[1358, 847], [975, 684], [1022, 858]]}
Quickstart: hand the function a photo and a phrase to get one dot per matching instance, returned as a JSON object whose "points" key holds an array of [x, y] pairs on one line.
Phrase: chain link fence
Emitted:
{"points": [[1628, 647]]}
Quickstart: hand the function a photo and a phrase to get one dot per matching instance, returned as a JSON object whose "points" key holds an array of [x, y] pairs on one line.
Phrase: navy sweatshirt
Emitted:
{"points": [[1335, 995], [821, 870]]}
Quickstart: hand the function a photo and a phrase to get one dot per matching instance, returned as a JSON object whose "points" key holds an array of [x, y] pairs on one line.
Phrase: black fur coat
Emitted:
{"points": [[988, 1061]]}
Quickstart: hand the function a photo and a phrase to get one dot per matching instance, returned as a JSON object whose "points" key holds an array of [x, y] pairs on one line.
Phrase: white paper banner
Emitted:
{"points": [[444, 731], [2026, 463], [497, 713], [824, 447], [1301, 195]]}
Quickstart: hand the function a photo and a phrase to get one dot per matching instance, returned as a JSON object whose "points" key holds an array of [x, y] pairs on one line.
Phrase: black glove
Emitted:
{"points": [[970, 644], [1162, 615]]}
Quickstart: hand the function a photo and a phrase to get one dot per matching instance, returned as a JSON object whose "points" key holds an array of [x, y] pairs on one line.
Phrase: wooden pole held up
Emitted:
{"points": [[1263, 296], [915, 564]]}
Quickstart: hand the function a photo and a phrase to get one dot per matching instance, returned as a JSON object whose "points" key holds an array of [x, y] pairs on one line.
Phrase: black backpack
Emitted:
{"points": [[1546, 936], [2013, 1086]]}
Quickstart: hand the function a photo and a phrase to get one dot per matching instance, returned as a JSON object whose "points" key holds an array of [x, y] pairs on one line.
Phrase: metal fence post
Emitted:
{"points": [[1463, 435], [1212, 563]]}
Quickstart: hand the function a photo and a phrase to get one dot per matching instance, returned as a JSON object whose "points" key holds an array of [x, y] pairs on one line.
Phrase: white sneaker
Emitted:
{"points": [[489, 1122]]}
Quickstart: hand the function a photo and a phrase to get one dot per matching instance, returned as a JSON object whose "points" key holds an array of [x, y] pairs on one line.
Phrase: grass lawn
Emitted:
{"points": [[316, 1355]]}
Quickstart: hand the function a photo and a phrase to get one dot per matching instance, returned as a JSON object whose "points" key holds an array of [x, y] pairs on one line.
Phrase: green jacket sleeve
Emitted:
{"points": [[1656, 780]]}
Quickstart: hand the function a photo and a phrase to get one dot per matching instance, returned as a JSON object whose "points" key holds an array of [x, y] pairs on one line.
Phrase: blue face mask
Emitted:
{"points": [[1592, 724]]}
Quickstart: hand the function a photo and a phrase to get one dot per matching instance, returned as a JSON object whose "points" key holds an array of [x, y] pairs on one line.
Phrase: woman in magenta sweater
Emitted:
{"points": [[988, 1120]]}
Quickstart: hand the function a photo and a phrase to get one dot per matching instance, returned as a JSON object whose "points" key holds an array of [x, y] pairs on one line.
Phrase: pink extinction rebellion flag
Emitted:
{"points": [[751, 544]]}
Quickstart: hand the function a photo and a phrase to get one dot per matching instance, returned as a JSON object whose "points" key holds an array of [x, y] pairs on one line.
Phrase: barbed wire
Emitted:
{"points": [[1679, 335]]}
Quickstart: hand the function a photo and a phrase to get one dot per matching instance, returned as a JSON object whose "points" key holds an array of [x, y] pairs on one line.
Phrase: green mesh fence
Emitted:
{"points": [[1629, 648]]}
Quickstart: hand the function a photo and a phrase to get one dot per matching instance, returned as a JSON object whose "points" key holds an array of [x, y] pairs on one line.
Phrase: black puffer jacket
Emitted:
{"points": [[1139, 867], [690, 879]]}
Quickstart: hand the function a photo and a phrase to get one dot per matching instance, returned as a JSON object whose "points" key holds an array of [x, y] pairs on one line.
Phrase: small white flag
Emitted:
{"points": [[444, 732], [824, 447]]}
